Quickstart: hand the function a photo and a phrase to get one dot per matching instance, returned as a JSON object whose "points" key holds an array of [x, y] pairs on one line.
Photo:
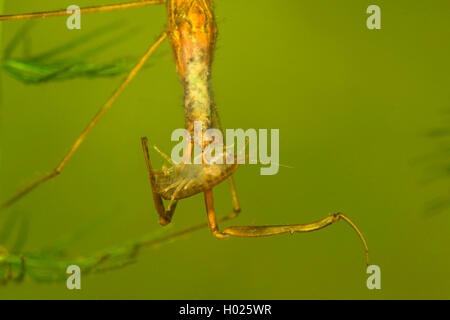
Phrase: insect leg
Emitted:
{"points": [[59, 13], [165, 216], [265, 231], [165, 156], [234, 197], [213, 226], [89, 127]]}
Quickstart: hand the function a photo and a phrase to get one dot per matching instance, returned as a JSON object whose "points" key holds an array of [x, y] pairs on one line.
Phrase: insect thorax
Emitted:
{"points": [[185, 180]]}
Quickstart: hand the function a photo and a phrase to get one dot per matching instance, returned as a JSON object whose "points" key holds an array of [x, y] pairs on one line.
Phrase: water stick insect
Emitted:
{"points": [[192, 31]]}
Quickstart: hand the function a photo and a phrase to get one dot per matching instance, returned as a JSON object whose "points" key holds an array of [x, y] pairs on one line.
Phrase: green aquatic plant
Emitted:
{"points": [[192, 31], [50, 264], [60, 63], [440, 167], [57, 64]]}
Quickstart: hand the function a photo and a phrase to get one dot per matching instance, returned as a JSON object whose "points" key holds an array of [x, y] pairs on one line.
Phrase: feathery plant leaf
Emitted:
{"points": [[50, 264], [440, 168], [42, 267], [56, 65]]}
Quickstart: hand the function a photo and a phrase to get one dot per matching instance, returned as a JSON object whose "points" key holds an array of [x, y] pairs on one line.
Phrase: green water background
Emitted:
{"points": [[353, 107]]}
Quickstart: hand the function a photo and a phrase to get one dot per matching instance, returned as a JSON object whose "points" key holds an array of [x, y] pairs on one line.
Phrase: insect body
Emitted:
{"points": [[185, 180], [192, 32]]}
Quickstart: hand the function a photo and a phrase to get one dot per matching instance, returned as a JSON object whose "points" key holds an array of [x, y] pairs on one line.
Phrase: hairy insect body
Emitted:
{"points": [[184, 180], [192, 31]]}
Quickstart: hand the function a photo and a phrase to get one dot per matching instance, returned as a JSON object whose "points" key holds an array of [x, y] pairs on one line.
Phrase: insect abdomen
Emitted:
{"points": [[193, 34]]}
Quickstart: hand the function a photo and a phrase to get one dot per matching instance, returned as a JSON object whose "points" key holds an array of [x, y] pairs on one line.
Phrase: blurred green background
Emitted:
{"points": [[353, 107]]}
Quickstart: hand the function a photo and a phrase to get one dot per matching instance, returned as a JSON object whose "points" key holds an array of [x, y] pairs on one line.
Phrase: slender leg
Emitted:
{"points": [[234, 197], [59, 13], [165, 216], [213, 226], [89, 127], [264, 231]]}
